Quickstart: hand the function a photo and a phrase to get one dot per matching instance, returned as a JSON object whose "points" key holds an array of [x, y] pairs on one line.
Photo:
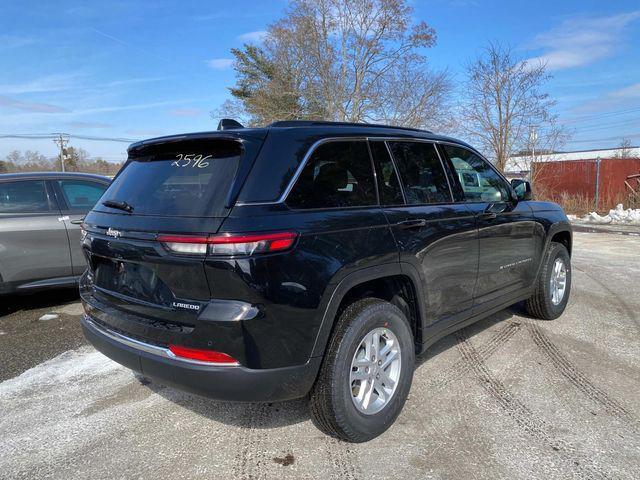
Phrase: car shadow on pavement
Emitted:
{"points": [[243, 415], [450, 340], [35, 300], [281, 414]]}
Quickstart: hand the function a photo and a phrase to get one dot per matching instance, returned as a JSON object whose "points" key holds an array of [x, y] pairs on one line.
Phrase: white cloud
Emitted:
{"points": [[220, 63], [253, 37], [64, 82], [129, 81], [632, 91], [186, 112], [144, 133], [581, 41], [49, 83], [137, 106], [13, 41], [30, 106], [89, 125], [128, 45], [626, 97]]}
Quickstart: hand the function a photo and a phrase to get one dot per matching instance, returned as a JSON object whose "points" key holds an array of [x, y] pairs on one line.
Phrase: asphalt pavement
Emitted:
{"points": [[509, 397]]}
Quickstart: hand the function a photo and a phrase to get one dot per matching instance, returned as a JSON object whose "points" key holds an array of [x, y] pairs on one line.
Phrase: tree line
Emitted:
{"points": [[76, 160], [366, 61]]}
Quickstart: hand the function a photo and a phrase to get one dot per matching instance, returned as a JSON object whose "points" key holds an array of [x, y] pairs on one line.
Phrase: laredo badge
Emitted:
{"points": [[186, 306]]}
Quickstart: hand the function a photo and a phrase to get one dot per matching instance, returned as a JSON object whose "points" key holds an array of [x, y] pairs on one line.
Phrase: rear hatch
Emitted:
{"points": [[176, 187]]}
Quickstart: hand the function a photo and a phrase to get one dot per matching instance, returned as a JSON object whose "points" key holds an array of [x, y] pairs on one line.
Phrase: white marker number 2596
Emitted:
{"points": [[191, 160]]}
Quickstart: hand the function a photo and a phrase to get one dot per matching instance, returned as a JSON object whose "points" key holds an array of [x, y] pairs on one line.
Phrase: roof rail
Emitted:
{"points": [[318, 123]]}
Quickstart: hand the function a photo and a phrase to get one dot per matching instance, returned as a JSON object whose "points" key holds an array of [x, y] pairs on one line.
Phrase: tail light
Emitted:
{"points": [[229, 244], [201, 355], [185, 244]]}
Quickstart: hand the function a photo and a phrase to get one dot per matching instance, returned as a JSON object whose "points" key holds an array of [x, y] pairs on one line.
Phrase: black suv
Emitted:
{"points": [[310, 257]]}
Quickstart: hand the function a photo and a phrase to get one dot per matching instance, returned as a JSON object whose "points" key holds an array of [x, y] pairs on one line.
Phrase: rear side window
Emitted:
{"points": [[191, 179], [338, 174], [390, 192], [81, 195], [480, 183], [27, 196], [421, 173]]}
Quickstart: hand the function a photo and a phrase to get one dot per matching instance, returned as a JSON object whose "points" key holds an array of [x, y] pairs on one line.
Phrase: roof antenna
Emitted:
{"points": [[228, 124]]}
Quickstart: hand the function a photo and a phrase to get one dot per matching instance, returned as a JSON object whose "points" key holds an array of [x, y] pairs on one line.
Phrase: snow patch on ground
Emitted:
{"points": [[61, 370], [70, 309], [65, 408], [618, 215]]}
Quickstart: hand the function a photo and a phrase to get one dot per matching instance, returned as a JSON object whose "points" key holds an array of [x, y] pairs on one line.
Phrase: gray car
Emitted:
{"points": [[40, 216]]}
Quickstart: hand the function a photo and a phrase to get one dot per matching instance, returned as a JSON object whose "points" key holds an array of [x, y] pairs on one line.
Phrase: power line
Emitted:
{"points": [[109, 139], [51, 136], [618, 137], [617, 123], [595, 116], [28, 136]]}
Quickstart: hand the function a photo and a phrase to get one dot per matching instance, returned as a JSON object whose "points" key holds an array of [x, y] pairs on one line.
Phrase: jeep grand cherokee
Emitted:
{"points": [[310, 258]]}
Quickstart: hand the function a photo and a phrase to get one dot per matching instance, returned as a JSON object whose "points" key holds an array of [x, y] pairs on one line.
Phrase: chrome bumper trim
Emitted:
{"points": [[147, 347]]}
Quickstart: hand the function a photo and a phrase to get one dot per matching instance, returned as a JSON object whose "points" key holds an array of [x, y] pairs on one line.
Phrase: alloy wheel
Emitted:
{"points": [[375, 371]]}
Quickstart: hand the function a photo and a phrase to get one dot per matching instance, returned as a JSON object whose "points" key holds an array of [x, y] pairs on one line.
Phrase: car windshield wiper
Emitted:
{"points": [[120, 205]]}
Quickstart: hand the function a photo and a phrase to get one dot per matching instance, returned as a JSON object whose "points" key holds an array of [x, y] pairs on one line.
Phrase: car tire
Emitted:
{"points": [[547, 302], [355, 410]]}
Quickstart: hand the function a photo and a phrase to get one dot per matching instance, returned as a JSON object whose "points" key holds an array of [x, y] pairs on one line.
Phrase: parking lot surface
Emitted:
{"points": [[509, 397]]}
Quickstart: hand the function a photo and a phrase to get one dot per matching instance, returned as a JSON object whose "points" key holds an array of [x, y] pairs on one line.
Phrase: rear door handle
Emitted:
{"points": [[486, 216], [420, 222]]}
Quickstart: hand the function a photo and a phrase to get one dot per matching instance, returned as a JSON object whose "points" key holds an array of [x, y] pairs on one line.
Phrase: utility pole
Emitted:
{"points": [[597, 199], [62, 140], [533, 139]]}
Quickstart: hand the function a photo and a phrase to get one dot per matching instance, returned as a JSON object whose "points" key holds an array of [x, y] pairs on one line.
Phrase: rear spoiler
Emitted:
{"points": [[229, 124]]}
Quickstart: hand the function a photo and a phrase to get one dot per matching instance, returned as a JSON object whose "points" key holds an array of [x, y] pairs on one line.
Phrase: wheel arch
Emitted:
{"points": [[560, 232], [564, 237], [398, 283]]}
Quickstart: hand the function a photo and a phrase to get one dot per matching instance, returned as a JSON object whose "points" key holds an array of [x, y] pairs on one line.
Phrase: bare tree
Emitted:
{"points": [[625, 149], [346, 60], [502, 102], [538, 149]]}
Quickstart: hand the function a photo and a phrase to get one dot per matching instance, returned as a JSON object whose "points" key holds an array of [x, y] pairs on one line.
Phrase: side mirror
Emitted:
{"points": [[522, 189]]}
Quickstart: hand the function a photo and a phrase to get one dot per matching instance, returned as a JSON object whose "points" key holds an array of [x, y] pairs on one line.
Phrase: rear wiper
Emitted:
{"points": [[120, 205]]}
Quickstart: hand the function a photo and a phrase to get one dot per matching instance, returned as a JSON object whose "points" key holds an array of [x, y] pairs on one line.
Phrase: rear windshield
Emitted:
{"points": [[188, 179]]}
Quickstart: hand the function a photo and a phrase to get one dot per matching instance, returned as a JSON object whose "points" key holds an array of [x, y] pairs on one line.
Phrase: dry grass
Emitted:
{"points": [[582, 204], [576, 204]]}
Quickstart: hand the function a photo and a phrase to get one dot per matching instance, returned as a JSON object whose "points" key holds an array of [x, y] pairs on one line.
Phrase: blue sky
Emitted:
{"points": [[137, 69]]}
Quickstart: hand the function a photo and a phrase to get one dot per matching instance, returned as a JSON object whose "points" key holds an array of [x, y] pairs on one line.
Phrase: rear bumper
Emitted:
{"points": [[229, 383]]}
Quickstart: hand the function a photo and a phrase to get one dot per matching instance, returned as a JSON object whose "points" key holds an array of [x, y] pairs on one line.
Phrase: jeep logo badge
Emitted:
{"points": [[114, 233]]}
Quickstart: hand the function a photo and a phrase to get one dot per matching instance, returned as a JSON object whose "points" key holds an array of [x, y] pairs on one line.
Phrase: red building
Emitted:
{"points": [[601, 179]]}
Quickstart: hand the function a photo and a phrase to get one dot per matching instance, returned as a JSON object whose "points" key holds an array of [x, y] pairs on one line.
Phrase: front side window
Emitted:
{"points": [[480, 183], [421, 173], [27, 196], [81, 195], [338, 174]]}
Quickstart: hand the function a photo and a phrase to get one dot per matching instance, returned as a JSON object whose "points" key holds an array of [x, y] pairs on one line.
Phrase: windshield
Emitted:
{"points": [[189, 179]]}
